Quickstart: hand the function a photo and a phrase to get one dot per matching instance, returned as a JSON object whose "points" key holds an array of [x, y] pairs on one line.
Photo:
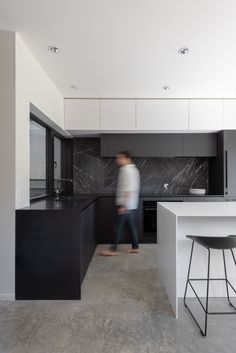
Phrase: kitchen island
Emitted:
{"points": [[176, 220]]}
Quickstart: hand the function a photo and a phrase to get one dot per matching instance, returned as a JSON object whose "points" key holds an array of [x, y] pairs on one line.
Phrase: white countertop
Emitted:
{"points": [[201, 209]]}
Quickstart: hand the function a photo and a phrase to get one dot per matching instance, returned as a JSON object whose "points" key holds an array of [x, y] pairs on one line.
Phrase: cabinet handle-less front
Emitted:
{"points": [[226, 172]]}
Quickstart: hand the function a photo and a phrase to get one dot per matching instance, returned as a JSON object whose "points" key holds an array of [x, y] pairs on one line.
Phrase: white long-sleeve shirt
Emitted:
{"points": [[128, 181]]}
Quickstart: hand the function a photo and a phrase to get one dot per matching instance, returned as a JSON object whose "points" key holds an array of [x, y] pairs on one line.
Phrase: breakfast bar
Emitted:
{"points": [[175, 221]]}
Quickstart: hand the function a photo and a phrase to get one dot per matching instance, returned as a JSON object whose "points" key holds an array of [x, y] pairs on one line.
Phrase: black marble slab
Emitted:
{"points": [[94, 174]]}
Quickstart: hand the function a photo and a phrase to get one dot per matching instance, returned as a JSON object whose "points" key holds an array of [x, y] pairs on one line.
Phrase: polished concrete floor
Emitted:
{"points": [[124, 310]]}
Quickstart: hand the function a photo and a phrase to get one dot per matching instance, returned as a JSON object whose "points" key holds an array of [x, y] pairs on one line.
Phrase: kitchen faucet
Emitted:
{"points": [[58, 190]]}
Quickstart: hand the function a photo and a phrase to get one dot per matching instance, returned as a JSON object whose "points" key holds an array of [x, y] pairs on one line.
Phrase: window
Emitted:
{"points": [[50, 159], [38, 166], [57, 158]]}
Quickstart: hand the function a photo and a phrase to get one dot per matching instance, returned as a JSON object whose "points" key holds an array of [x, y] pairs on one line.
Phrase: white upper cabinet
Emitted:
{"points": [[168, 114], [205, 114], [150, 114], [229, 114], [117, 114], [82, 114]]}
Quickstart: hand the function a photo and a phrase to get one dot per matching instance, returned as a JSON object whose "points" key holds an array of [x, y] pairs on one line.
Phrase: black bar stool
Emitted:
{"points": [[219, 243]]}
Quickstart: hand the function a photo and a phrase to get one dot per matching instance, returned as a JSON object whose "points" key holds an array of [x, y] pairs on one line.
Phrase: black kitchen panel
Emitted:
{"points": [[159, 145], [111, 144], [53, 250], [230, 162], [200, 145], [143, 145], [222, 169]]}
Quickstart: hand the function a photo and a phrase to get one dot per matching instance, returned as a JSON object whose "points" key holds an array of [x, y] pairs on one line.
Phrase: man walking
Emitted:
{"points": [[127, 198]]}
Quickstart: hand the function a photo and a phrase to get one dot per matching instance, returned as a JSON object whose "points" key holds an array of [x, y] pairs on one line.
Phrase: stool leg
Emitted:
{"points": [[233, 256], [207, 293], [189, 268], [226, 278]]}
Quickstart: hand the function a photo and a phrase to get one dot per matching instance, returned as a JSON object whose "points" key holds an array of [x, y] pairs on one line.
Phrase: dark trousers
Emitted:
{"points": [[129, 218]]}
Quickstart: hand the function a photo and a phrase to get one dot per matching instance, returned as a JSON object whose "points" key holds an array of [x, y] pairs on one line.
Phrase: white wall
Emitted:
{"points": [[23, 86], [7, 158], [32, 87]]}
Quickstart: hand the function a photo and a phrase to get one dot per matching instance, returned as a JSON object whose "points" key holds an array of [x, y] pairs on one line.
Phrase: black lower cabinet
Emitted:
{"points": [[88, 239], [106, 215], [146, 219], [106, 218], [53, 251]]}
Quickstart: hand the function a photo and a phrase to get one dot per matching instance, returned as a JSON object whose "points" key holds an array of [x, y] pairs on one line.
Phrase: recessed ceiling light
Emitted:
{"points": [[183, 50], [74, 86], [165, 88], [53, 49]]}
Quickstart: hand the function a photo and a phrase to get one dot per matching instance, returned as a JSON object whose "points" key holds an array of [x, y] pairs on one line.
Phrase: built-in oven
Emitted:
{"points": [[149, 218], [149, 210]]}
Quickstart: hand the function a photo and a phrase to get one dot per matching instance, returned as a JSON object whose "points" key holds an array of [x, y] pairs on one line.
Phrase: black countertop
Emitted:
{"points": [[155, 196], [69, 203], [81, 201]]}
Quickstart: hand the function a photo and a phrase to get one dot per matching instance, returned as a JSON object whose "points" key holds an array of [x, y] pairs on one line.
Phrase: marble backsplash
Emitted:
{"points": [[94, 174]]}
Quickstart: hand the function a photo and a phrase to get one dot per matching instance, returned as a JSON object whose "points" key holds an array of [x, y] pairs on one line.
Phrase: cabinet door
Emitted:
{"points": [[84, 243], [143, 145], [82, 114], [214, 199], [92, 231], [159, 145], [229, 114], [105, 219], [47, 263], [117, 114], [194, 199], [154, 114], [200, 145], [111, 144], [88, 239], [230, 162], [106, 222], [205, 114]]}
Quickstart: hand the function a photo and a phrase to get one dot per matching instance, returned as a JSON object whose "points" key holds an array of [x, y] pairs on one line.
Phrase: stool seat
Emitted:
{"points": [[220, 243], [208, 242]]}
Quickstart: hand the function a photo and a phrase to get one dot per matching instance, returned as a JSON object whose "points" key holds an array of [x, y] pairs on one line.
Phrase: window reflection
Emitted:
{"points": [[38, 185]]}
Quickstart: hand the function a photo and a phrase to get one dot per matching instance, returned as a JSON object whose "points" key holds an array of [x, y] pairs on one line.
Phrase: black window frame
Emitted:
{"points": [[66, 158]]}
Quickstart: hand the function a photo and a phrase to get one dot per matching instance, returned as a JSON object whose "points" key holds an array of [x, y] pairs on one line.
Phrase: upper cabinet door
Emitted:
{"points": [[200, 145], [117, 114], [168, 114], [82, 114], [205, 114], [229, 114]]}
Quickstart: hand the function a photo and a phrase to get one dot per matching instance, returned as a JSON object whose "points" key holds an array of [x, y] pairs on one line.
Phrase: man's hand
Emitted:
{"points": [[121, 211]]}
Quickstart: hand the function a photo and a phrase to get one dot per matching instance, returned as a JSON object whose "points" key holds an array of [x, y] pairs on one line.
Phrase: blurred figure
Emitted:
{"points": [[127, 198]]}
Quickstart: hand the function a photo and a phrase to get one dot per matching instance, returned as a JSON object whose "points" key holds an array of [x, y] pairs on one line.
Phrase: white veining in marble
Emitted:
{"points": [[94, 174]]}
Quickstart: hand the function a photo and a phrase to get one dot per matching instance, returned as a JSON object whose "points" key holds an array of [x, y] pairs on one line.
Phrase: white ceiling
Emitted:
{"points": [[129, 48]]}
